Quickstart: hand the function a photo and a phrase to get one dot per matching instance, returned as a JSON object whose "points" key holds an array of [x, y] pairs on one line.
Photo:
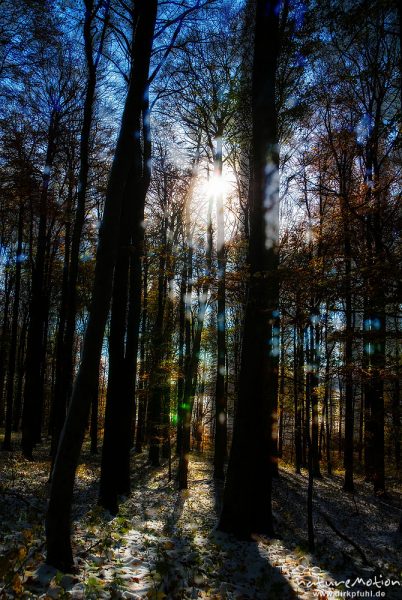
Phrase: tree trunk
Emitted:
{"points": [[123, 344], [20, 376], [297, 399], [4, 349], [142, 386], [65, 369], [340, 439], [313, 392], [327, 400], [220, 453], [193, 354], [158, 375], [33, 392], [396, 410], [58, 409], [180, 366], [59, 552], [348, 485], [12, 355], [94, 421], [247, 496]]}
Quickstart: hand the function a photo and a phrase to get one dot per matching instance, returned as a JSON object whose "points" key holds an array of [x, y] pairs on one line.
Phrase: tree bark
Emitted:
{"points": [[14, 335], [58, 408], [33, 391], [220, 449], [247, 496], [297, 399], [193, 354], [59, 551], [348, 485], [20, 375], [313, 392], [142, 392], [65, 362], [4, 348]]}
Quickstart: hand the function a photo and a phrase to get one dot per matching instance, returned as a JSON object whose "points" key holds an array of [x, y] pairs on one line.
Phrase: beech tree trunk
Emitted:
{"points": [[193, 354], [12, 356], [20, 375], [220, 448], [65, 355], [297, 398], [313, 392], [33, 391], [142, 392], [4, 348], [348, 485], [158, 375], [247, 496], [180, 379], [59, 551]]}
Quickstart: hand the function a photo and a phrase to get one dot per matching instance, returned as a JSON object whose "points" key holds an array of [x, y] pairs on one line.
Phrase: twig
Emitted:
{"points": [[345, 538], [355, 503]]}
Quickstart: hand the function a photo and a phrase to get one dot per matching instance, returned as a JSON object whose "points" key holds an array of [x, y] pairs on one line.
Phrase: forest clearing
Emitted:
{"points": [[200, 299]]}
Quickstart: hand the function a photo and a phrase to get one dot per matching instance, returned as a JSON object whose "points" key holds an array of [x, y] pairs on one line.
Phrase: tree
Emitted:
{"points": [[247, 496], [59, 552], [68, 305]]}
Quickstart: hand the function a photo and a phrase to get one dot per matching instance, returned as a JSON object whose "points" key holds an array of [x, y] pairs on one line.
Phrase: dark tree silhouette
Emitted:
{"points": [[247, 497], [59, 552]]}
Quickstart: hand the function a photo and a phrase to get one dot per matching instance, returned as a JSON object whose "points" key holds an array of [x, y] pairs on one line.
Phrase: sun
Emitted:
{"points": [[216, 186]]}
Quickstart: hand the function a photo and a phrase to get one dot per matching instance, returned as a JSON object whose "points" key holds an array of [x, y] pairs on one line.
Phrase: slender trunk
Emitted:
{"points": [[94, 421], [296, 400], [65, 374], [191, 370], [158, 376], [134, 314], [59, 551], [327, 400], [193, 354], [33, 392], [166, 421], [374, 365], [220, 453], [4, 349], [58, 409], [132, 343], [14, 335], [348, 485], [361, 424], [313, 390], [307, 397], [125, 321], [20, 375], [340, 439], [281, 399], [115, 386], [396, 410], [142, 385], [180, 379], [186, 288], [310, 446], [310, 489]]}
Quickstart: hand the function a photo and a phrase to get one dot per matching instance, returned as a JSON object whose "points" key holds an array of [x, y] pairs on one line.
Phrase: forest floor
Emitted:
{"points": [[164, 544]]}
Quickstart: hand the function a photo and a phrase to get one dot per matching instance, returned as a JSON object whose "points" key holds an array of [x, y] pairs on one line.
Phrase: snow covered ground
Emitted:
{"points": [[164, 544]]}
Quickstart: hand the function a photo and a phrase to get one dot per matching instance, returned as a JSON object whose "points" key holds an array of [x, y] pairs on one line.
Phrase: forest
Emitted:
{"points": [[200, 306]]}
